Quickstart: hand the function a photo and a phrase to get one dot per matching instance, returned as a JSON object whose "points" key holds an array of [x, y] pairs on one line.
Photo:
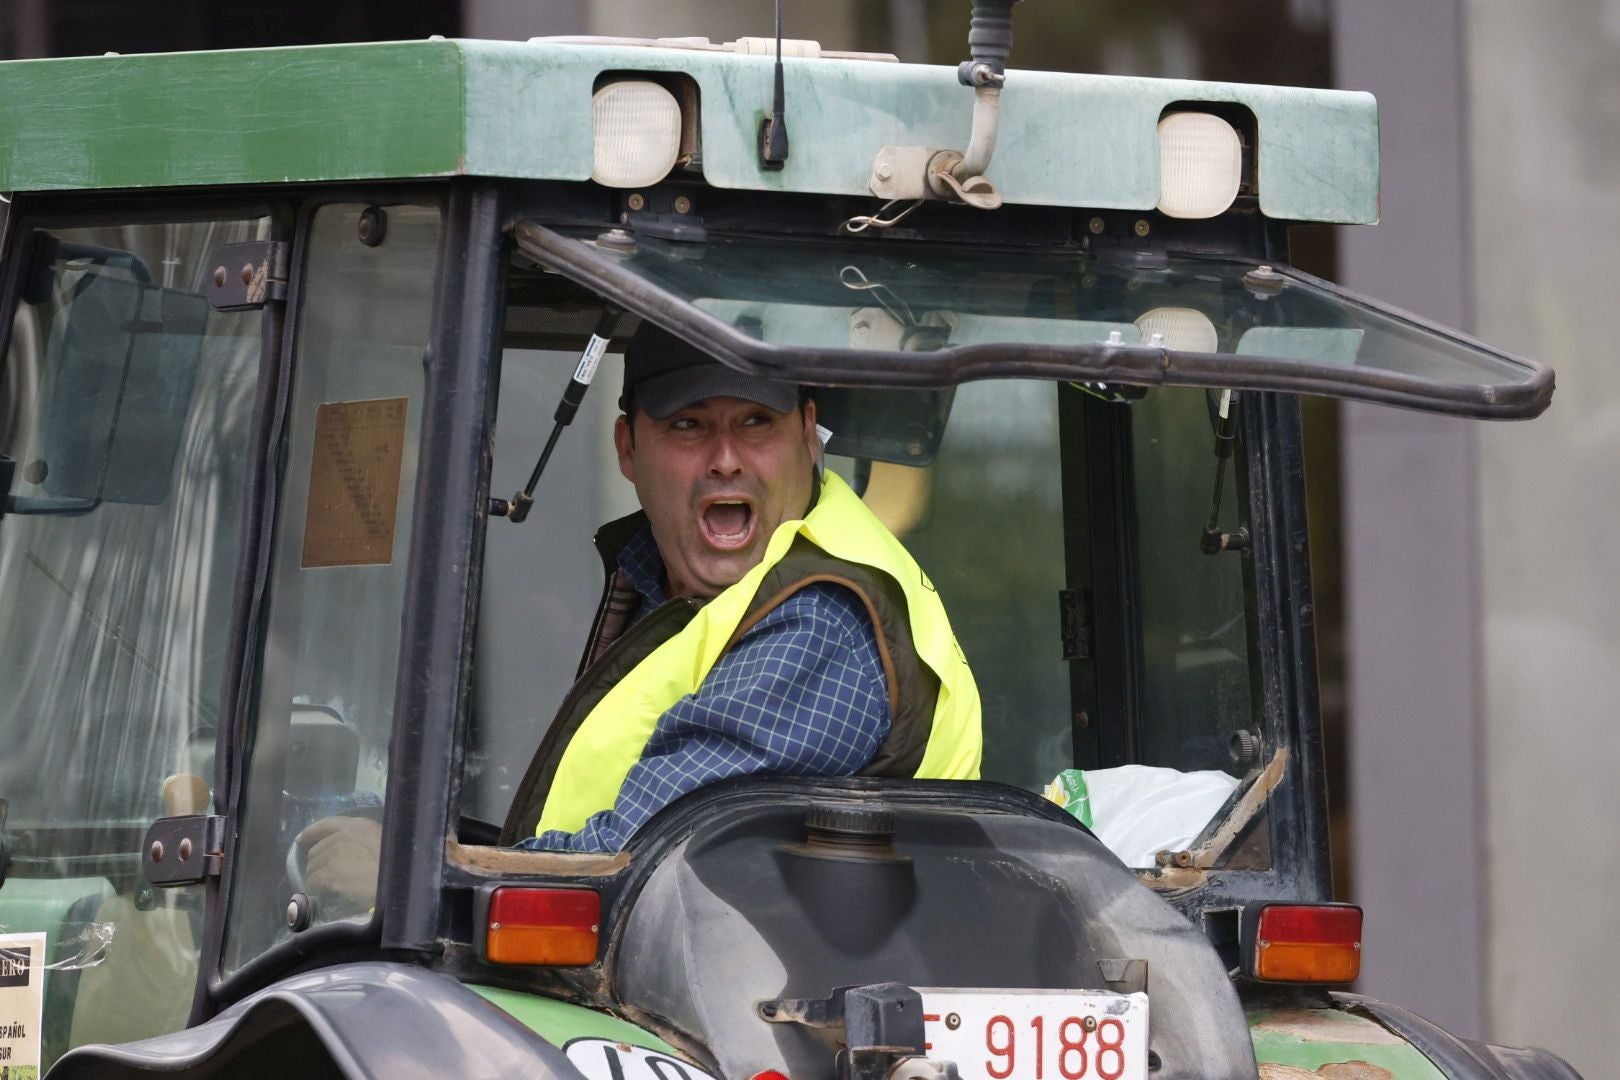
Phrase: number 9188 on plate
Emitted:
{"points": [[1038, 1034]]}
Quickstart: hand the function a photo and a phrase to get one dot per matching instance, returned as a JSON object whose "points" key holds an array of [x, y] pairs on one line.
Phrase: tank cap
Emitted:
{"points": [[849, 827]]}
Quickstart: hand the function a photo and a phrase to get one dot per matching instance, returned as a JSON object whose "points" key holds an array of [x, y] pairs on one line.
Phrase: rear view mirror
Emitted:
{"points": [[120, 364], [900, 426]]}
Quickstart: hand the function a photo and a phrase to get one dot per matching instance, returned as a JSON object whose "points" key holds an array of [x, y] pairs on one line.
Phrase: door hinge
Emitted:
{"points": [[183, 850], [5, 844], [248, 275], [8, 476], [1075, 623]]}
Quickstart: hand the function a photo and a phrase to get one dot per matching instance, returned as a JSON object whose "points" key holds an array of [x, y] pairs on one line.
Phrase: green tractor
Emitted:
{"points": [[284, 335]]}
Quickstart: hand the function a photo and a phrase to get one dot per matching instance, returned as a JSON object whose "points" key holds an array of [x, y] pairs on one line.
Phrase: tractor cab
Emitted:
{"points": [[305, 431]]}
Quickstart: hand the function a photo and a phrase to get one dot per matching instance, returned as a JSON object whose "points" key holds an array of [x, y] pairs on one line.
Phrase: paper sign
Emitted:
{"points": [[354, 483], [22, 1003]]}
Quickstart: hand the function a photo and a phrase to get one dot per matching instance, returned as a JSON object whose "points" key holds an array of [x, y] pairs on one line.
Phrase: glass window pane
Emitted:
{"points": [[543, 578], [1196, 678], [126, 405], [985, 521], [319, 746]]}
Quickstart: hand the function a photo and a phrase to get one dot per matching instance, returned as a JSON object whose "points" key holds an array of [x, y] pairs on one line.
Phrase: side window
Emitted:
{"points": [[1196, 692], [318, 747], [543, 578], [984, 519], [126, 405]]}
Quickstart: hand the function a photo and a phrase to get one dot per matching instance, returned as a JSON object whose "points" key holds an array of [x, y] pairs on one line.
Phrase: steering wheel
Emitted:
{"points": [[358, 804]]}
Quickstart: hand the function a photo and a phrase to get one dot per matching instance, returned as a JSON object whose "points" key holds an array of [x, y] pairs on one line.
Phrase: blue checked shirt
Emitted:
{"points": [[801, 694]]}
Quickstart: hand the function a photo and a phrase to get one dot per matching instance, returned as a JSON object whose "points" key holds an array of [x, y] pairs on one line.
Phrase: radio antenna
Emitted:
{"points": [[773, 136]]}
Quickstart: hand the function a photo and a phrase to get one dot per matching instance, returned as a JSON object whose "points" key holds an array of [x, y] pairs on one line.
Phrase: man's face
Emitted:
{"points": [[715, 480]]}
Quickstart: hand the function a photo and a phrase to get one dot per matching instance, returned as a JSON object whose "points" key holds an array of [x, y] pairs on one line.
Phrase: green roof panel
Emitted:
{"points": [[523, 110], [247, 116]]}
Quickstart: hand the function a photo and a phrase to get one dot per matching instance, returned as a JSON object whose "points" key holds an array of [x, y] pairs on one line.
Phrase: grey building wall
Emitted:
{"points": [[1483, 584], [1545, 133], [517, 20], [833, 23], [1409, 553]]}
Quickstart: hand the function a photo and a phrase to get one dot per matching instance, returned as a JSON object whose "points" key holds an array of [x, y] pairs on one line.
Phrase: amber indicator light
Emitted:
{"points": [[1308, 943], [557, 927]]}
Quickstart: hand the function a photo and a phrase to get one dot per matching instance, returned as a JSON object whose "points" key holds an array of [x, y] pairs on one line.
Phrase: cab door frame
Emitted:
{"points": [[27, 213], [442, 568]]}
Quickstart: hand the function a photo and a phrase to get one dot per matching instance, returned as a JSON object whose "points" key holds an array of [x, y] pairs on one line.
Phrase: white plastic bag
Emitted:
{"points": [[1140, 810]]}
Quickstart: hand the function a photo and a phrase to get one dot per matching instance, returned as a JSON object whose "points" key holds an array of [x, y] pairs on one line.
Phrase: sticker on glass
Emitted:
{"points": [[354, 483], [22, 1002]]}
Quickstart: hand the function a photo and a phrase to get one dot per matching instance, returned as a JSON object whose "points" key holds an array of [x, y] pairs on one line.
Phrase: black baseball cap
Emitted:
{"points": [[663, 374]]}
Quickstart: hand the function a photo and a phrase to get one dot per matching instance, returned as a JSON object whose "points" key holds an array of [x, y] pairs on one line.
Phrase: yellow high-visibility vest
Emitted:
{"points": [[615, 733]]}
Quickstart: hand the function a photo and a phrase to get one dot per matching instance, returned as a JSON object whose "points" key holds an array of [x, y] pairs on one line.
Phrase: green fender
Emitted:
{"points": [[1299, 1044], [557, 1022]]}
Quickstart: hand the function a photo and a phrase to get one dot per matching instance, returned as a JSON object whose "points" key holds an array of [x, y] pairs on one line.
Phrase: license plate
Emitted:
{"points": [[1038, 1034]]}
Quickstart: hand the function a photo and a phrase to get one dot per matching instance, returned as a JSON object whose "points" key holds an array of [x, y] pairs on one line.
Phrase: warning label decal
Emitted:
{"points": [[22, 1002], [354, 483]]}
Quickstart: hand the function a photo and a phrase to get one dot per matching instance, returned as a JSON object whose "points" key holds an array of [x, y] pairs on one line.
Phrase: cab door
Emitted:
{"points": [[131, 420]]}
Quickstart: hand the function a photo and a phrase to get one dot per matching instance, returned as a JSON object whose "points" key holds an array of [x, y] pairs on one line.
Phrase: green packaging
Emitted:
{"points": [[1068, 790]]}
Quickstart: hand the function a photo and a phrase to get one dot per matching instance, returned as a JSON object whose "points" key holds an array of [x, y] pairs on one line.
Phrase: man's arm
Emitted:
{"points": [[802, 694]]}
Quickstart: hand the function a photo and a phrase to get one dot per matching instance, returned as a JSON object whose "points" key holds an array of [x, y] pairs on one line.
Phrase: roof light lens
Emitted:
{"points": [[1308, 943], [637, 126], [1180, 329], [556, 927], [1200, 165]]}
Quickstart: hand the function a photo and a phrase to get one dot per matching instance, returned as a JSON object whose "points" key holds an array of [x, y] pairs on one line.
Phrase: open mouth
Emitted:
{"points": [[728, 524]]}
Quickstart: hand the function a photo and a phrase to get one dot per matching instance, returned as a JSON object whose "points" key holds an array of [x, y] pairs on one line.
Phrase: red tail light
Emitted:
{"points": [[1307, 943], [556, 927]]}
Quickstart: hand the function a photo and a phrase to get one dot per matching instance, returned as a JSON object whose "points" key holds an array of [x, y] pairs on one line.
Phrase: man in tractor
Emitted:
{"points": [[758, 620]]}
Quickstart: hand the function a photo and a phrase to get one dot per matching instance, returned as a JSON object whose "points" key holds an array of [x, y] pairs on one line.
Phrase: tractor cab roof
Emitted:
{"points": [[523, 110]]}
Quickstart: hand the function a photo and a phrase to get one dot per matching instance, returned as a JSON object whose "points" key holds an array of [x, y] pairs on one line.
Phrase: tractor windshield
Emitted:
{"points": [[1065, 530]]}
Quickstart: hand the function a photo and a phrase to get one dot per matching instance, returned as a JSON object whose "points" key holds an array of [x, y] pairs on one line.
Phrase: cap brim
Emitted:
{"points": [[664, 395]]}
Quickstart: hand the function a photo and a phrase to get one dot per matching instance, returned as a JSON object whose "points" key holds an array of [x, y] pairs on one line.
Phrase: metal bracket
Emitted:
{"points": [[1124, 976], [923, 172], [183, 850], [882, 1028], [879, 1014], [1075, 623], [249, 275], [5, 844], [901, 172], [827, 1012]]}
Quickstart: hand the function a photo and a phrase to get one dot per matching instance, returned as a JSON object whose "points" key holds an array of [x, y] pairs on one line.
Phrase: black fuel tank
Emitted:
{"points": [[792, 891]]}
